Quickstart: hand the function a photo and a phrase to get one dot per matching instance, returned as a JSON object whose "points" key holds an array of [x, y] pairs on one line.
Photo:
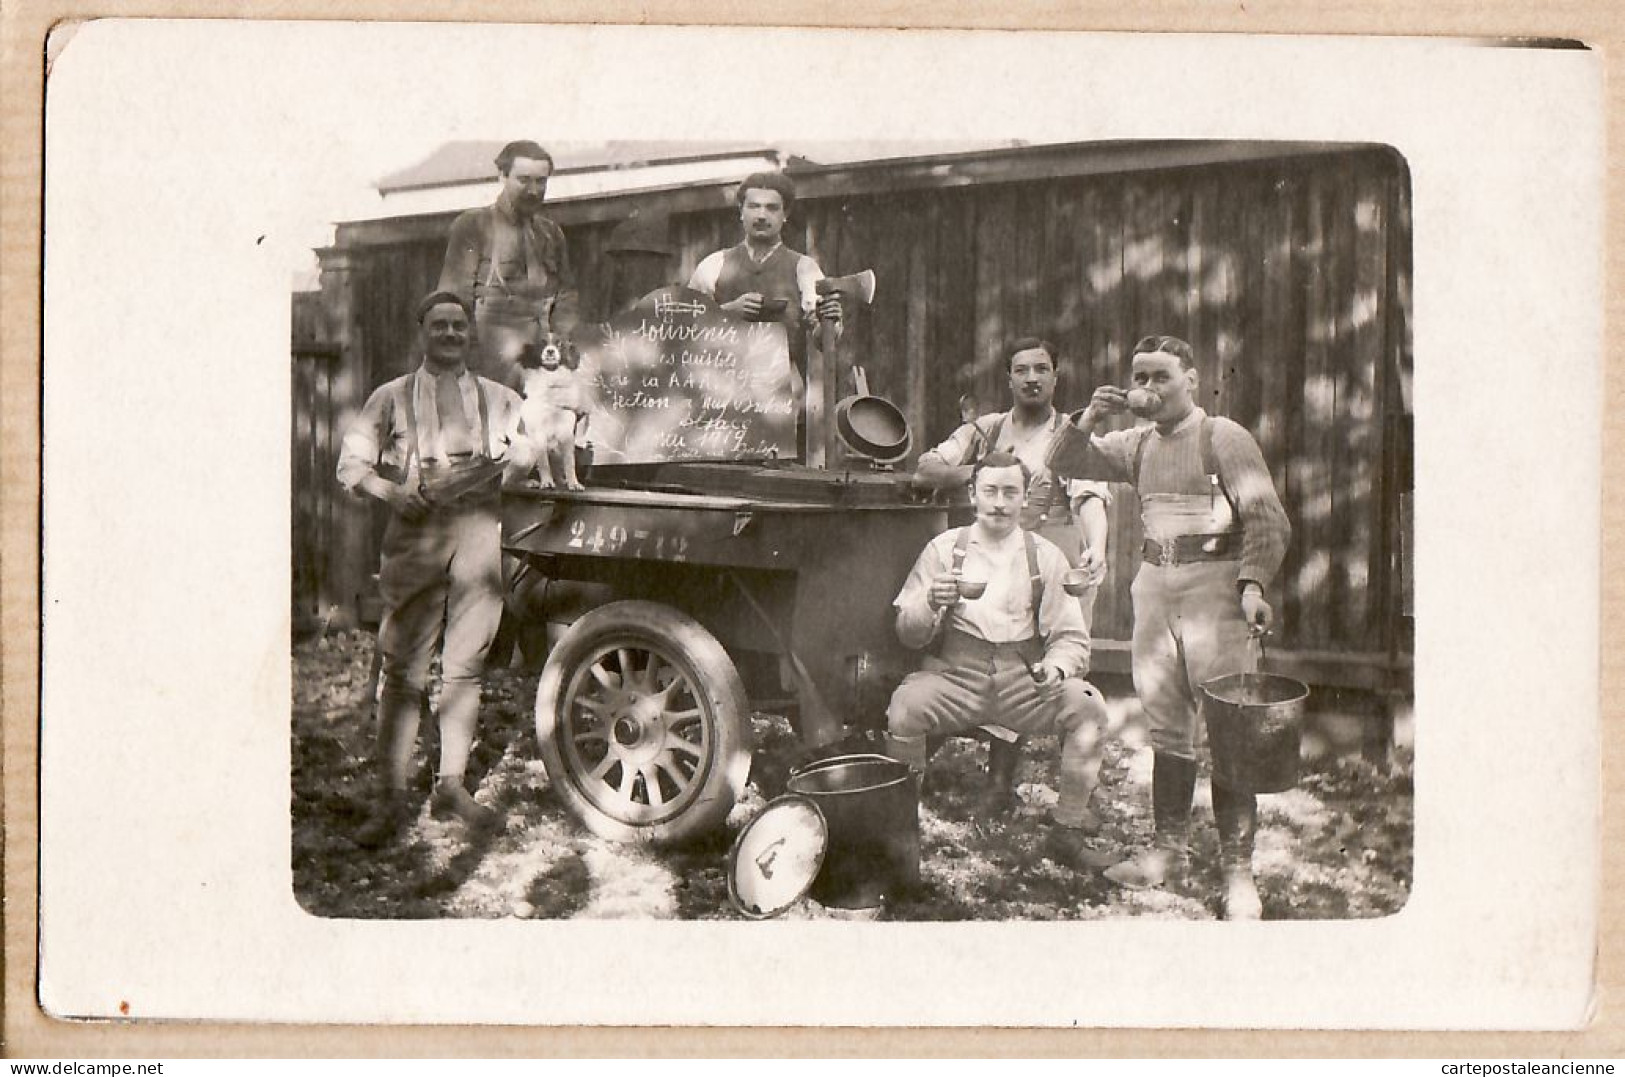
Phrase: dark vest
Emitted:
{"points": [[775, 278]]}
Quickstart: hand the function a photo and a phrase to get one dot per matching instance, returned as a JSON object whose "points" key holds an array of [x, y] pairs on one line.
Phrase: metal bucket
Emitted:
{"points": [[1255, 730], [872, 807]]}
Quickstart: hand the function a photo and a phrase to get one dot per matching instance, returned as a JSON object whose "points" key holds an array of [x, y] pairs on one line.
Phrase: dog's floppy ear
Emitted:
{"points": [[529, 358]]}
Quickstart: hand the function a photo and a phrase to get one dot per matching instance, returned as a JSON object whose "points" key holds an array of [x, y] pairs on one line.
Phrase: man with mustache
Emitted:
{"points": [[1215, 537], [513, 265], [433, 445], [762, 280], [1011, 648], [749, 278], [1071, 515]]}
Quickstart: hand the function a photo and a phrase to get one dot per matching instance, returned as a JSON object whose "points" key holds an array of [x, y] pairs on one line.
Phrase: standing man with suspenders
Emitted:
{"points": [[434, 445], [1071, 515], [512, 264], [1215, 537], [1011, 649]]}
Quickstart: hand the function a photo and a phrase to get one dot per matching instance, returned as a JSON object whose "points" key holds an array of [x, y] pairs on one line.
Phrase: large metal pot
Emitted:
{"points": [[871, 805]]}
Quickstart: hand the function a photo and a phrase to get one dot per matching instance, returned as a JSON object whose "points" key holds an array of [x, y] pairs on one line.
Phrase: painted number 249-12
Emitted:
{"points": [[639, 542]]}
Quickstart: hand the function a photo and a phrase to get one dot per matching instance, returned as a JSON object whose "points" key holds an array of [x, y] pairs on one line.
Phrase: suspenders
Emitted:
{"points": [[413, 451], [1034, 576], [982, 444], [1210, 463]]}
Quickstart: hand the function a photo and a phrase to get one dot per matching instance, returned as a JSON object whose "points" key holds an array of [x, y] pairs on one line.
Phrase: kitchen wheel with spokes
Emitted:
{"points": [[643, 724]]}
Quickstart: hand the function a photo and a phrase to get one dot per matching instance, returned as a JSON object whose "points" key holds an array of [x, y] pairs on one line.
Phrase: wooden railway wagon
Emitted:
{"points": [[1287, 266]]}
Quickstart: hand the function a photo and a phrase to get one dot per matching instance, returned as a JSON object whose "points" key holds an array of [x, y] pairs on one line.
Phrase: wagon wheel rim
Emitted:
{"points": [[636, 732]]}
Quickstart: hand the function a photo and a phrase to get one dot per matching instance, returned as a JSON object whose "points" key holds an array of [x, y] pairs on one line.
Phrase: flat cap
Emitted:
{"points": [[435, 298]]}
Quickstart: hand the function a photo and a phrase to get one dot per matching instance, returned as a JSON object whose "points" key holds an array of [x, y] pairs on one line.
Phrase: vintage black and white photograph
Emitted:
{"points": [[956, 505], [900, 530]]}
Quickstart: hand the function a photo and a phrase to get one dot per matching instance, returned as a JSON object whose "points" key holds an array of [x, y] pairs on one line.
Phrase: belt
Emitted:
{"points": [[1185, 549], [963, 648], [466, 482]]}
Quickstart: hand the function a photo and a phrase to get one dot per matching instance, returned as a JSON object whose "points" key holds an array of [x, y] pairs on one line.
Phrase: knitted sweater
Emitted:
{"points": [[1172, 464]]}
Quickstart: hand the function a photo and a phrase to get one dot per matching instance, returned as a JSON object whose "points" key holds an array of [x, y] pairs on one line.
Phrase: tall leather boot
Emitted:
{"points": [[999, 794], [1237, 817], [1173, 785]]}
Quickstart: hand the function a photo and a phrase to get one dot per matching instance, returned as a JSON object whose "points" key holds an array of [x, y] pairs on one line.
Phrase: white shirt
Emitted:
{"points": [[378, 436], [1004, 613]]}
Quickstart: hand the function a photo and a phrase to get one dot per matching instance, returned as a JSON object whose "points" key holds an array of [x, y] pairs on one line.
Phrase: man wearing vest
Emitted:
{"points": [[434, 445], [763, 280], [1008, 646], [1215, 537], [512, 264], [1071, 515]]}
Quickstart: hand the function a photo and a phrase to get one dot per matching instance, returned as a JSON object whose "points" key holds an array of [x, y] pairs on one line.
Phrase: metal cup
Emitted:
{"points": [[1075, 582], [1141, 401], [772, 310], [972, 589]]}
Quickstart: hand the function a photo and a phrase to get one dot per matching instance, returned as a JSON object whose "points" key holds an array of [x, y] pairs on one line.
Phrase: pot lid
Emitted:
{"points": [[776, 857]]}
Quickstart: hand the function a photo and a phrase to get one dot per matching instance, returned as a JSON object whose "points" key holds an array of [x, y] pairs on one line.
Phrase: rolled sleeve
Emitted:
{"points": [[707, 273], [808, 274], [363, 439], [513, 445], [958, 447], [916, 621], [1066, 640], [1080, 490]]}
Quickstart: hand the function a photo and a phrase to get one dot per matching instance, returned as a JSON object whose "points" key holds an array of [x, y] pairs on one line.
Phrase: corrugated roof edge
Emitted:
{"points": [[941, 170], [456, 164]]}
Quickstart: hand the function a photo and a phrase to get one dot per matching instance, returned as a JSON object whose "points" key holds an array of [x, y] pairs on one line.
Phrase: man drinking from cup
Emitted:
{"points": [[1008, 645], [1215, 537]]}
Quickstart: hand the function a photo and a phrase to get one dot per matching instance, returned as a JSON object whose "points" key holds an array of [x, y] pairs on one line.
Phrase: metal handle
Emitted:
{"points": [[1255, 652]]}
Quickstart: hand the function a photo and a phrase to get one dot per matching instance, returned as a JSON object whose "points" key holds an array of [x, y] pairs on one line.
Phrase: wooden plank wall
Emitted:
{"points": [[1279, 275], [315, 455], [1289, 277]]}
